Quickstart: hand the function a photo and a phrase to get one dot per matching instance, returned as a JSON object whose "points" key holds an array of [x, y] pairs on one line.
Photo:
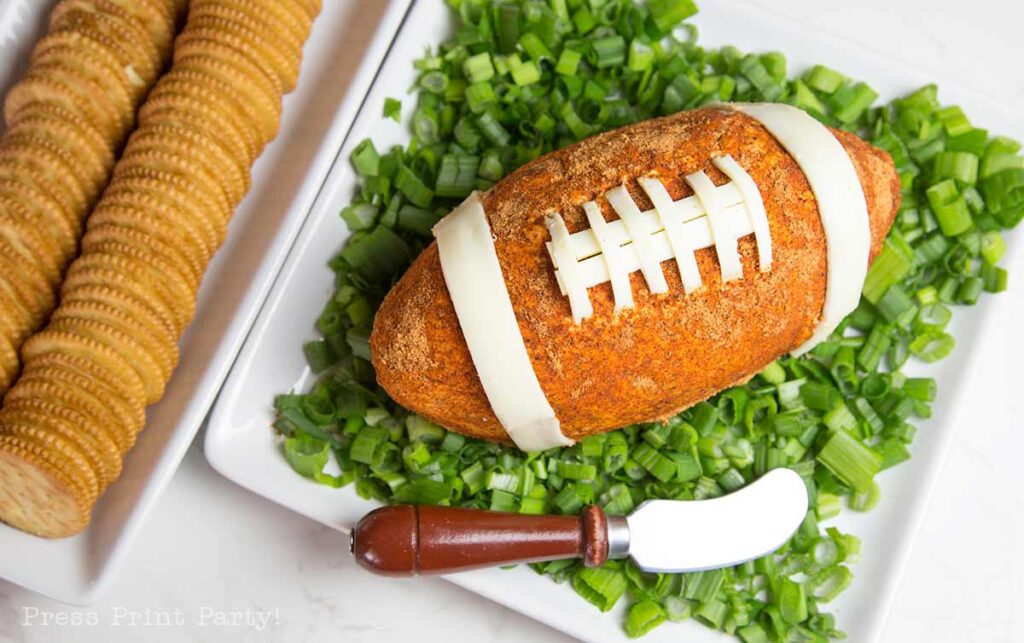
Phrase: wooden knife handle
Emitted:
{"points": [[406, 540]]}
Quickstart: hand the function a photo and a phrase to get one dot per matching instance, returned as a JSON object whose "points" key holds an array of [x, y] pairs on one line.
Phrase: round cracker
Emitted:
{"points": [[282, 26], [16, 323], [178, 169], [184, 112], [133, 318], [127, 36], [282, 13], [37, 498], [161, 351], [173, 176], [205, 49], [177, 253], [110, 367], [171, 296], [77, 393], [103, 275], [96, 158], [126, 302], [20, 229], [40, 420], [88, 379], [39, 206], [74, 420], [135, 210], [110, 111], [102, 48], [187, 143], [56, 83], [9, 362], [259, 48], [26, 284], [167, 275], [53, 112], [311, 7], [219, 100], [55, 168], [103, 72], [56, 450], [154, 17], [220, 74], [145, 365]]}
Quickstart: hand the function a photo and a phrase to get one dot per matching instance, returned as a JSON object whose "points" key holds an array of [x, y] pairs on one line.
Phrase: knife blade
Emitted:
{"points": [[660, 535]]}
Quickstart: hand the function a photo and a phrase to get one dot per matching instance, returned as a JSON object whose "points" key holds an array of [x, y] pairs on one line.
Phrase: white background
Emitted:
{"points": [[212, 545]]}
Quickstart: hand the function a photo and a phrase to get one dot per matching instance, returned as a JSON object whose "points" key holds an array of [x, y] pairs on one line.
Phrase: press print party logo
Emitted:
{"points": [[120, 616]]}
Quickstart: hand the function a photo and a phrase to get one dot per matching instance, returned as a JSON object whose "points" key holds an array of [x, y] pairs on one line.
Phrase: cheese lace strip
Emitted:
{"points": [[477, 289], [841, 205], [673, 229]]}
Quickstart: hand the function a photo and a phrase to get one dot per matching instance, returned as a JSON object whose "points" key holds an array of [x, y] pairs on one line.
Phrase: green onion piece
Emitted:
{"points": [[377, 255], [851, 101], [423, 491], [666, 14], [643, 617], [830, 583], [393, 109], [961, 166], [850, 461], [319, 355], [568, 62], [456, 177], [931, 346], [713, 613], [950, 208], [600, 586], [953, 119], [412, 187], [791, 601], [478, 68], [824, 80], [534, 47], [359, 216], [365, 159], [866, 500], [609, 52], [492, 129], [893, 263]]}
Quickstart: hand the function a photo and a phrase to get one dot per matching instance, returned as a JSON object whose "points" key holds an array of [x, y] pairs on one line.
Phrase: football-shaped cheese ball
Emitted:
{"points": [[634, 274]]}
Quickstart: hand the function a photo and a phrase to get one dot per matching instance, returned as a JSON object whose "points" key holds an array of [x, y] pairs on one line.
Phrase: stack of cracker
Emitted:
{"points": [[66, 121], [111, 344]]}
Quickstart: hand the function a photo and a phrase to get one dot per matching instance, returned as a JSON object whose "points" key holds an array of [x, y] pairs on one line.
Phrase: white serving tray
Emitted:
{"points": [[241, 445], [286, 180]]}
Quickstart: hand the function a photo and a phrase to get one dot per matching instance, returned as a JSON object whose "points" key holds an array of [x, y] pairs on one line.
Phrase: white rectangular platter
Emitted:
{"points": [[241, 445], [286, 180]]}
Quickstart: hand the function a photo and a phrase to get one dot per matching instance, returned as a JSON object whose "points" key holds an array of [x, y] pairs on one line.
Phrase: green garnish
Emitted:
{"points": [[520, 78], [393, 109]]}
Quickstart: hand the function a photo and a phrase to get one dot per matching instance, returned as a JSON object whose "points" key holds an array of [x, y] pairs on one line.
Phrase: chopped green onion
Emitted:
{"points": [[600, 586], [850, 461], [393, 109]]}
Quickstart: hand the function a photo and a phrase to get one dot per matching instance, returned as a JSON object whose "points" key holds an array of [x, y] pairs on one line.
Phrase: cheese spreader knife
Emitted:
{"points": [[660, 535]]}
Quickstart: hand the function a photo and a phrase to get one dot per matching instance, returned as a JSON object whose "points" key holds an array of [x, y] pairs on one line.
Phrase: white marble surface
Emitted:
{"points": [[229, 566]]}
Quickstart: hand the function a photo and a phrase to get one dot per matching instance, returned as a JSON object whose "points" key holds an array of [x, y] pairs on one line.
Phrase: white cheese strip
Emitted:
{"points": [[594, 271], [755, 207], [625, 207], [672, 222], [841, 204], [725, 241], [565, 260], [477, 288], [611, 252], [689, 208]]}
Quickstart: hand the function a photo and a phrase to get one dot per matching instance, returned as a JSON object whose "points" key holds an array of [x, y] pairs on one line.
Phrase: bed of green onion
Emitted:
{"points": [[520, 78]]}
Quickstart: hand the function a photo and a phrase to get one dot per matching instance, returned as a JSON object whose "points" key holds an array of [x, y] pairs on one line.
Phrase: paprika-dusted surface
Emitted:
{"points": [[668, 352]]}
